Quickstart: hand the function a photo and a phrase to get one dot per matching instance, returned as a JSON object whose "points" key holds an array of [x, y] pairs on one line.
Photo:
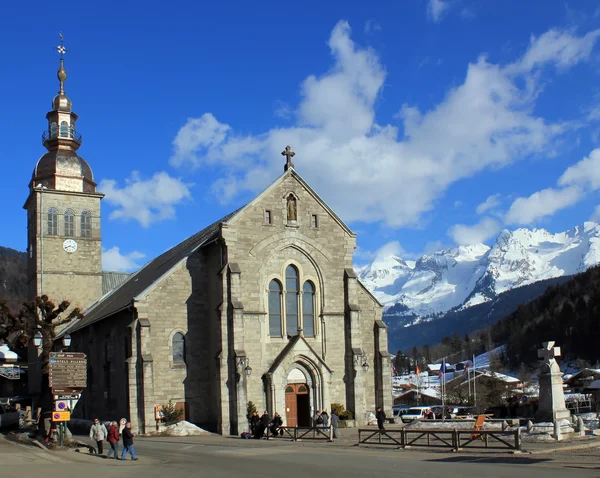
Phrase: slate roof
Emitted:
{"points": [[121, 297], [111, 280]]}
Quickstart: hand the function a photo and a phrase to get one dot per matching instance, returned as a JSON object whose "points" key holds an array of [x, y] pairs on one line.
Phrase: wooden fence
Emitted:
{"points": [[442, 438]]}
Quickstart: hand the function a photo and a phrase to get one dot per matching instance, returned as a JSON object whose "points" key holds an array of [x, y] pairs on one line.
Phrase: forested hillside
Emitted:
{"points": [[567, 313], [13, 277]]}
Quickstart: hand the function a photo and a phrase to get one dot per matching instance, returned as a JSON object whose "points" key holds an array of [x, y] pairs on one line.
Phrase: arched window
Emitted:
{"points": [[69, 223], [53, 130], [275, 309], [86, 224], [64, 129], [52, 221], [178, 348], [291, 300], [308, 309]]}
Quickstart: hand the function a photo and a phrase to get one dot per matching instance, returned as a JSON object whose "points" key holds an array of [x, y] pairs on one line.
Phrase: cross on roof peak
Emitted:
{"points": [[289, 154]]}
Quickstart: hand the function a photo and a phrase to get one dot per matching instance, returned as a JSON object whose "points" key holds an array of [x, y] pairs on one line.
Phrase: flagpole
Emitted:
{"points": [[474, 383]]}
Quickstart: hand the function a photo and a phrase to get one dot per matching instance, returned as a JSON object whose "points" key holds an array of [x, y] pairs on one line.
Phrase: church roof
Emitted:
{"points": [[121, 297], [111, 280]]}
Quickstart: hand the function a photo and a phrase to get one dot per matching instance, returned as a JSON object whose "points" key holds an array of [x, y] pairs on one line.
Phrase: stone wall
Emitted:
{"points": [[76, 276]]}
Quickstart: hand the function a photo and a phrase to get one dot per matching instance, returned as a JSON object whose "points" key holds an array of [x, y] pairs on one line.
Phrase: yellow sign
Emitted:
{"points": [[61, 416]]}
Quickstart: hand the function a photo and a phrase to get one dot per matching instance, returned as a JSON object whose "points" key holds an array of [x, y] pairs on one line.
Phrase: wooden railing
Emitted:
{"points": [[307, 433], [442, 438]]}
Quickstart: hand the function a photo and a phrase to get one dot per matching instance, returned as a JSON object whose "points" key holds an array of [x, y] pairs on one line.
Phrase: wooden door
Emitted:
{"points": [[291, 406]]}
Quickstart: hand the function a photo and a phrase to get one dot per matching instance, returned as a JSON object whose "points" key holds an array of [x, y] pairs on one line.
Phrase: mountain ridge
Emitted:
{"points": [[458, 278]]}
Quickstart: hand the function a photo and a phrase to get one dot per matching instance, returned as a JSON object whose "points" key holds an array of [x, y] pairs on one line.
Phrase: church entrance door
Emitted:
{"points": [[297, 405]]}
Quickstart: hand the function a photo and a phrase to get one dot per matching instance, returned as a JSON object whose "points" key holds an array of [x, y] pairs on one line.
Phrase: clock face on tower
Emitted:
{"points": [[70, 245]]}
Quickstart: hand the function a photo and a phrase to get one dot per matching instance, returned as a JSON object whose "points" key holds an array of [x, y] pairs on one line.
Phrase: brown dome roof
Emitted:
{"points": [[63, 164]]}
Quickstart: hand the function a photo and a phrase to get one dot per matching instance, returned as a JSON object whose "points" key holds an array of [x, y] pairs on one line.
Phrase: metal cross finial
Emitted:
{"points": [[61, 48], [289, 154]]}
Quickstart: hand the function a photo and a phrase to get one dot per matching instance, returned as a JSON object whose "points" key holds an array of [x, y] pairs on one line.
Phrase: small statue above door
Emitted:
{"points": [[291, 208]]}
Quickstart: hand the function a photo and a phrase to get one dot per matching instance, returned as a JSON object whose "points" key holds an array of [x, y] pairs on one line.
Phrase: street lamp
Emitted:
{"points": [[365, 366], [67, 341], [37, 339], [248, 370]]}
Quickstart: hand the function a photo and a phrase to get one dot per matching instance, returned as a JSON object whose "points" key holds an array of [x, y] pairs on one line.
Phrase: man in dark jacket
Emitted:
{"points": [[128, 442], [254, 421], [276, 424], [263, 425], [380, 415]]}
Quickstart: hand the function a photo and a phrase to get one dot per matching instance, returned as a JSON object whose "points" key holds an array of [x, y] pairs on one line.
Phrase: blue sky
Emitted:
{"points": [[423, 123]]}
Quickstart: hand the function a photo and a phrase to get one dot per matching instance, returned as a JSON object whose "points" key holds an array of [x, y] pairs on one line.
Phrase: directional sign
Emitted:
{"points": [[67, 397], [67, 371], [61, 416]]}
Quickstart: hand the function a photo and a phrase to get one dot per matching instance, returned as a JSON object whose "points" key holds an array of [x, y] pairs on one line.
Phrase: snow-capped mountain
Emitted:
{"points": [[469, 275]]}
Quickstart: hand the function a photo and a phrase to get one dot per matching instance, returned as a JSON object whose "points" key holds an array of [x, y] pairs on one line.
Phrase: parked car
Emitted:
{"points": [[9, 417], [414, 413], [399, 411]]}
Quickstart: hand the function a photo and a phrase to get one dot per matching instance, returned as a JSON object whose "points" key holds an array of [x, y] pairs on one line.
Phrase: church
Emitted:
{"points": [[263, 305]]}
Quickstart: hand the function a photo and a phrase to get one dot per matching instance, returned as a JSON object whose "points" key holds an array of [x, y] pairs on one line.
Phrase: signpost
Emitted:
{"points": [[61, 416], [67, 379]]}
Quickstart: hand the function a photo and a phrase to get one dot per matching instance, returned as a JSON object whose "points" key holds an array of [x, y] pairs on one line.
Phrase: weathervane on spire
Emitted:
{"points": [[61, 48], [62, 74]]}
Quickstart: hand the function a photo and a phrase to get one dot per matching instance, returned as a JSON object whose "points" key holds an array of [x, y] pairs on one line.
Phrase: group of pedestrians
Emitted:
{"points": [[264, 423], [100, 433]]}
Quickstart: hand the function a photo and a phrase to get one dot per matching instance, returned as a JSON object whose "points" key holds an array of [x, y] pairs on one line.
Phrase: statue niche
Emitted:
{"points": [[291, 208]]}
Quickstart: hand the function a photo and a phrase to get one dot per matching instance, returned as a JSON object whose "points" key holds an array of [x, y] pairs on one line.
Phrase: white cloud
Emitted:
{"points": [[436, 9], [145, 201], [541, 204], [197, 136], [492, 202], [558, 47], [113, 260], [596, 215], [395, 172], [392, 248], [586, 173], [462, 234]]}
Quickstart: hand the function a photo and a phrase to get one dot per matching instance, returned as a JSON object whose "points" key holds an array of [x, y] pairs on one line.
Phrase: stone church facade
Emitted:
{"points": [[262, 305]]}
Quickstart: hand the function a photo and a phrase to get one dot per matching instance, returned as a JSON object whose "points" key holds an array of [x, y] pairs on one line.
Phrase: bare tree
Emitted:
{"points": [[40, 315]]}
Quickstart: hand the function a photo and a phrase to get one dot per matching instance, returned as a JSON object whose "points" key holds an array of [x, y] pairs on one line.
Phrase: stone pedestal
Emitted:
{"points": [[552, 398]]}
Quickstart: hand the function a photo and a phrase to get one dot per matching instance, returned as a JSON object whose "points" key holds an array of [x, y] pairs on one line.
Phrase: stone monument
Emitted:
{"points": [[552, 398]]}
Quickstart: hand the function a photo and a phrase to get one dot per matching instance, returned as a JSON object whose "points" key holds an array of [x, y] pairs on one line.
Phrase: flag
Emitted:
{"points": [[418, 371], [467, 368], [442, 369]]}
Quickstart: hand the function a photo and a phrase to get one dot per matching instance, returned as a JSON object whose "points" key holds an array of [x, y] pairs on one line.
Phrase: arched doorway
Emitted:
{"points": [[297, 405], [297, 399]]}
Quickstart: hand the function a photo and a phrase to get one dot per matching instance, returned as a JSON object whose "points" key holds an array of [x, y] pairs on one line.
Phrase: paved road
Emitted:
{"points": [[201, 456]]}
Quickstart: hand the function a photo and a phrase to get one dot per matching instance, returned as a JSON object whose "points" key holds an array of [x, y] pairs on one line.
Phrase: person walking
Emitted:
{"points": [[380, 415], [98, 432], [335, 424], [128, 442], [113, 440]]}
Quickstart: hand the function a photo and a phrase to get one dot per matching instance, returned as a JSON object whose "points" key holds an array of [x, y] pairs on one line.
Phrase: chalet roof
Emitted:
{"points": [[121, 297]]}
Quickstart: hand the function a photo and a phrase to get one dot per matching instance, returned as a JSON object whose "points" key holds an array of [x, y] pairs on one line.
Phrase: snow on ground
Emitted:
{"points": [[183, 428], [451, 425], [544, 431]]}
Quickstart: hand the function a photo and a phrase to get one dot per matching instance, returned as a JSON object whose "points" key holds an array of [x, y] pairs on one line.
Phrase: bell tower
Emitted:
{"points": [[64, 245]]}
